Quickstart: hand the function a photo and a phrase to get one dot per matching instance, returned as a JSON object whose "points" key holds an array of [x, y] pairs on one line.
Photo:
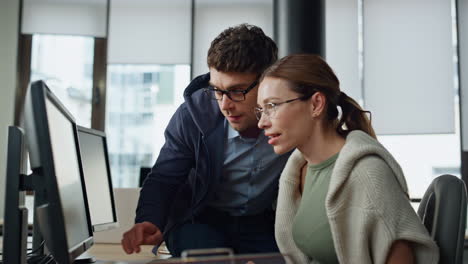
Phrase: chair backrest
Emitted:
{"points": [[144, 171], [443, 212]]}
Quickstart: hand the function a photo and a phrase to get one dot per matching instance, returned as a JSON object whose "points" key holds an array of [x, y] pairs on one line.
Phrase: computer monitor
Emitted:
{"points": [[97, 178], [61, 205], [16, 215]]}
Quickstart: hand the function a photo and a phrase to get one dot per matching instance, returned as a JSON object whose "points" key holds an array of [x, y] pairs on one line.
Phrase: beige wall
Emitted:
{"points": [[9, 13]]}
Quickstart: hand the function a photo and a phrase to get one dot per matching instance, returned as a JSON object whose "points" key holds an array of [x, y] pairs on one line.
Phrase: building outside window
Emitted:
{"points": [[65, 63], [141, 99]]}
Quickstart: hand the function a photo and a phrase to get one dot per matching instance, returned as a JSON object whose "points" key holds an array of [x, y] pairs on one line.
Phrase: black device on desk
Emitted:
{"points": [[60, 196]]}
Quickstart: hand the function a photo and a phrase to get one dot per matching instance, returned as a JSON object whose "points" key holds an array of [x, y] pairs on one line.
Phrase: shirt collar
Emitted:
{"points": [[232, 133]]}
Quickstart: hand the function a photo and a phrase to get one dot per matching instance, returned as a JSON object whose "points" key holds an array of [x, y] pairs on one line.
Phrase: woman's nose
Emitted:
{"points": [[263, 122]]}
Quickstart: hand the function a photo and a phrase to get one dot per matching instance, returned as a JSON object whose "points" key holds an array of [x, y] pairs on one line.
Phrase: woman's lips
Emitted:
{"points": [[274, 138]]}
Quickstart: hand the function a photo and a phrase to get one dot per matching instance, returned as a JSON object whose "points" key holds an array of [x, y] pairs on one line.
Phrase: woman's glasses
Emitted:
{"points": [[270, 108]]}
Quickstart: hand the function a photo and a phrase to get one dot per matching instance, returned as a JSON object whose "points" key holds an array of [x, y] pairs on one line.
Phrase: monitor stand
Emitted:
{"points": [[85, 258]]}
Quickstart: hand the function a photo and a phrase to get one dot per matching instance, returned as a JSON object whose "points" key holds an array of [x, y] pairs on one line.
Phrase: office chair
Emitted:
{"points": [[443, 212], [144, 171]]}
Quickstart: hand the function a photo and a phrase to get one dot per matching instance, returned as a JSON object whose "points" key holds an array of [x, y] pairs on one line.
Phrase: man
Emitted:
{"points": [[216, 177]]}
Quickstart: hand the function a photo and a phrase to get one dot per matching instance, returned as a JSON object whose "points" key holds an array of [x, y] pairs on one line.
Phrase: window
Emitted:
{"points": [[424, 157], [376, 58], [424, 152], [141, 99], [65, 63]]}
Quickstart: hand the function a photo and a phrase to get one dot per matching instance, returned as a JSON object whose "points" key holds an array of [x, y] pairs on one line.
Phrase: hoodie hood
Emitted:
{"points": [[203, 109]]}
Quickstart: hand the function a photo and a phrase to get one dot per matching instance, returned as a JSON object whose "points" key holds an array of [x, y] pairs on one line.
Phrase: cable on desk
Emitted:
{"points": [[37, 249], [30, 253], [48, 259]]}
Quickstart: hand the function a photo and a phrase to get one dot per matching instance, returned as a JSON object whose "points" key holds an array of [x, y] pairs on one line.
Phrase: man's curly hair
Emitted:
{"points": [[243, 48]]}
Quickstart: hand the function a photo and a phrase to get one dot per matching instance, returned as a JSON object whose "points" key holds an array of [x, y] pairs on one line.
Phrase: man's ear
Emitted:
{"points": [[318, 102]]}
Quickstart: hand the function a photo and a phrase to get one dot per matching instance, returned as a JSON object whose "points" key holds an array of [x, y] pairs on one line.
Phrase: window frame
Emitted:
{"points": [[98, 100]]}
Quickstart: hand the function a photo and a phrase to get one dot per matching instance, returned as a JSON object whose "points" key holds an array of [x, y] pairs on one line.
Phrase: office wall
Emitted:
{"points": [[9, 11]]}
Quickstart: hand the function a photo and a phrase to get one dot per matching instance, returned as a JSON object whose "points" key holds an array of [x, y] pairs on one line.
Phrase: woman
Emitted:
{"points": [[342, 196]]}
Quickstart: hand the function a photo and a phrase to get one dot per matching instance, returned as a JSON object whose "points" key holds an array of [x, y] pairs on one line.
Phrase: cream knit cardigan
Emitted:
{"points": [[366, 205]]}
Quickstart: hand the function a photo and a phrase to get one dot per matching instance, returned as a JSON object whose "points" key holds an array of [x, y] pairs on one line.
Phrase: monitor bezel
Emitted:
{"points": [[42, 165], [102, 136]]}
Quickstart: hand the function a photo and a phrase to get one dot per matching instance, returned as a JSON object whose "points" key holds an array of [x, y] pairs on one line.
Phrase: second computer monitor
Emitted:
{"points": [[97, 178]]}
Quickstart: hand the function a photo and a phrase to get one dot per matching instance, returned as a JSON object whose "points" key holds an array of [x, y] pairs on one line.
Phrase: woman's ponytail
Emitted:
{"points": [[353, 117]]}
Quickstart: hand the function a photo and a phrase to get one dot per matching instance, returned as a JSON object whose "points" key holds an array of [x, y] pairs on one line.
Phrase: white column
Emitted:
{"points": [[9, 16], [463, 64]]}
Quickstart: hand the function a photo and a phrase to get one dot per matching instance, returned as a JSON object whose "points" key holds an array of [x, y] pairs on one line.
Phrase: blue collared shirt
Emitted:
{"points": [[251, 170]]}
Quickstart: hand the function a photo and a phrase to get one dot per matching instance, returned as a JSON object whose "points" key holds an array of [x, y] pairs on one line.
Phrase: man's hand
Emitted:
{"points": [[141, 234]]}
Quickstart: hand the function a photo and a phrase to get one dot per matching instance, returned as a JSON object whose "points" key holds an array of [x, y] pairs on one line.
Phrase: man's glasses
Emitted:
{"points": [[234, 95], [270, 108]]}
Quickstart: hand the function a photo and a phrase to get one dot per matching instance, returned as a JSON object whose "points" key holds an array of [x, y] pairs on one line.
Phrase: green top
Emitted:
{"points": [[311, 229]]}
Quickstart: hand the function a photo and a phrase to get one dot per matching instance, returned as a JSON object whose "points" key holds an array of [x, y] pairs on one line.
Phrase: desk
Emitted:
{"points": [[113, 252]]}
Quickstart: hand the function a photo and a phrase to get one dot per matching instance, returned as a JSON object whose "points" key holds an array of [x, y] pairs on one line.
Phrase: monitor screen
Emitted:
{"points": [[97, 178], [62, 210], [68, 176]]}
